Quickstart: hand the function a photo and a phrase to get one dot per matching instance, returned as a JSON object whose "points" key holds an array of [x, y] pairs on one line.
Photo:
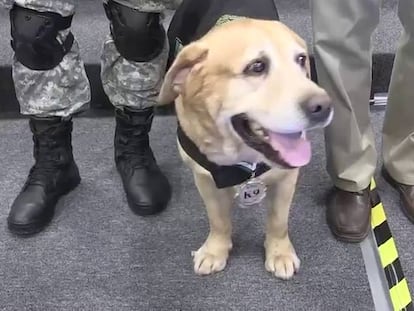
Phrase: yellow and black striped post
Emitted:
{"points": [[387, 250]]}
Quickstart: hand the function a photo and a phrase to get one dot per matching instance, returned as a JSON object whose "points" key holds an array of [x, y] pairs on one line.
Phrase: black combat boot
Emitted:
{"points": [[53, 175], [147, 189]]}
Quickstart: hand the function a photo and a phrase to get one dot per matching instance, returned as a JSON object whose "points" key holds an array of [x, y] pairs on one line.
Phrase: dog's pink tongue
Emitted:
{"points": [[294, 149]]}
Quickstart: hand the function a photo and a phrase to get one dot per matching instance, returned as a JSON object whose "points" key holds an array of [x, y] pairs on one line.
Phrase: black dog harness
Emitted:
{"points": [[224, 176]]}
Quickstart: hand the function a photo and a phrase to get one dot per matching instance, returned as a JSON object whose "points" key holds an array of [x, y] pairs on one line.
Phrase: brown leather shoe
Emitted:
{"points": [[406, 194], [349, 214]]}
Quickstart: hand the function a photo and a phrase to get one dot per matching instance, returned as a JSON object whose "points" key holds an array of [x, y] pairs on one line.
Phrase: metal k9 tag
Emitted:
{"points": [[251, 193]]}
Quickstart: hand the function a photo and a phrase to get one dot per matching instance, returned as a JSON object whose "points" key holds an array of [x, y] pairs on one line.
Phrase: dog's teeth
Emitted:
{"points": [[262, 133], [259, 131], [256, 127]]}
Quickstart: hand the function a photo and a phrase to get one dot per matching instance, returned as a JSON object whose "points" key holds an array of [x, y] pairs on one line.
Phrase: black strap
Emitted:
{"points": [[67, 45], [61, 22], [224, 176]]}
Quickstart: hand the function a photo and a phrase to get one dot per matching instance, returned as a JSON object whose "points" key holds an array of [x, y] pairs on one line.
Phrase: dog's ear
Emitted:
{"points": [[176, 76]]}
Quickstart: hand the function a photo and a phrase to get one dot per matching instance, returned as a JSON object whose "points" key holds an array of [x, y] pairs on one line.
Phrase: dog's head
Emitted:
{"points": [[243, 93]]}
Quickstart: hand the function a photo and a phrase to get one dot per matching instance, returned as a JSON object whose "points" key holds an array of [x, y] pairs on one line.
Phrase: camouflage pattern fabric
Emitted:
{"points": [[67, 7], [64, 90], [132, 84], [64, 8]]}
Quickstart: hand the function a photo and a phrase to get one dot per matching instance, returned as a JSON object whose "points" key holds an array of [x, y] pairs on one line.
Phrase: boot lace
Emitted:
{"points": [[47, 162], [135, 149]]}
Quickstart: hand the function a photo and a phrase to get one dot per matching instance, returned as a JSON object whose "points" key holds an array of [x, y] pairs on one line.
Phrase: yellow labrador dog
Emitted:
{"points": [[243, 94]]}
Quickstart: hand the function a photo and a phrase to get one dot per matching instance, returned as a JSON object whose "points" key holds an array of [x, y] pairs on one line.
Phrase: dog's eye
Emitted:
{"points": [[301, 59], [257, 67]]}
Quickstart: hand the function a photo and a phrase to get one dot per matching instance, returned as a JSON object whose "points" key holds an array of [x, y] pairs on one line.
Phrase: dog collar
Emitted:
{"points": [[224, 176]]}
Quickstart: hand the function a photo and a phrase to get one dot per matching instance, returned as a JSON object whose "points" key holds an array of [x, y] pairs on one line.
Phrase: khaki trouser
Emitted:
{"points": [[342, 38]]}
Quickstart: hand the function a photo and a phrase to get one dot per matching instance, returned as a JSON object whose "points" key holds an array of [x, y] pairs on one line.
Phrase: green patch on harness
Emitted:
{"points": [[178, 46], [227, 18]]}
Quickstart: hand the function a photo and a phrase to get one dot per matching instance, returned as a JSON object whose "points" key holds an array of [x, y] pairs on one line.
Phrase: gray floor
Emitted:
{"points": [[97, 255]]}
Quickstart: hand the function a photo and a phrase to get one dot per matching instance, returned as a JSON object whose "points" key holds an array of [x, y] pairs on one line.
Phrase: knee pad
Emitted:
{"points": [[138, 36], [34, 37]]}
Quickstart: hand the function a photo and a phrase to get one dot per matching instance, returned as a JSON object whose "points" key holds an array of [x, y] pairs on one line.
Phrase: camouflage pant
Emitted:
{"points": [[65, 90]]}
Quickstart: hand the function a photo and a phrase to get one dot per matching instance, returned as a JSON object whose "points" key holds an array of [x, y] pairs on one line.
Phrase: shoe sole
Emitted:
{"points": [[387, 177], [147, 211], [34, 228], [350, 239]]}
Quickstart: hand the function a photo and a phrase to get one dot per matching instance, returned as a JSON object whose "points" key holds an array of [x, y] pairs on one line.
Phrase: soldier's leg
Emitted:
{"points": [[133, 64], [51, 85], [398, 133], [48, 72], [342, 35]]}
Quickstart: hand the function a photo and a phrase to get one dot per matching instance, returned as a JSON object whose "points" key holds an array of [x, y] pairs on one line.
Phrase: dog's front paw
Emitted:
{"points": [[208, 260], [282, 263]]}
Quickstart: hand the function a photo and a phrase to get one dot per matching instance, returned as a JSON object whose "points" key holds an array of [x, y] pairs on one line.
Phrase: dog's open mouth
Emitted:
{"points": [[288, 150]]}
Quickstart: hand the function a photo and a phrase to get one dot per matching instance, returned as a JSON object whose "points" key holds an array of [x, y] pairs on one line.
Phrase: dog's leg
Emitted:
{"points": [[281, 258], [212, 255]]}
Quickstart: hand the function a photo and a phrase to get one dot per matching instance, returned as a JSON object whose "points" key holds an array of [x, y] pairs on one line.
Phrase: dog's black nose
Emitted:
{"points": [[317, 108]]}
